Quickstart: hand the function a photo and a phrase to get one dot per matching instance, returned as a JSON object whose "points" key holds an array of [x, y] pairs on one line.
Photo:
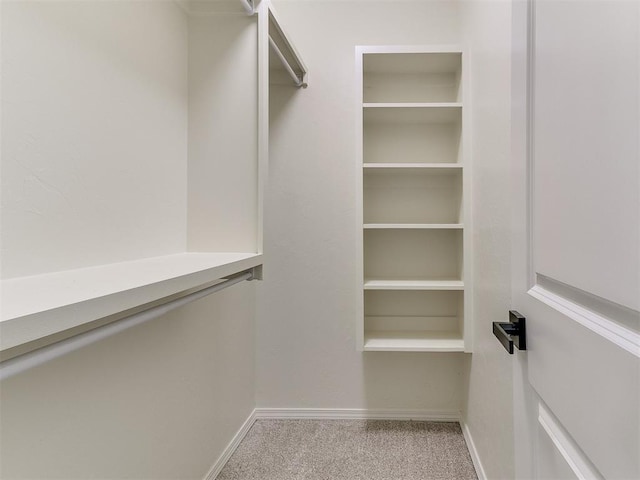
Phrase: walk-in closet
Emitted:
{"points": [[319, 239]]}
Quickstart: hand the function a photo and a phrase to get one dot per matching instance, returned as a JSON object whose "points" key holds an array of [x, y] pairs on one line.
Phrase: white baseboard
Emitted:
{"points": [[475, 458], [357, 413], [231, 447]]}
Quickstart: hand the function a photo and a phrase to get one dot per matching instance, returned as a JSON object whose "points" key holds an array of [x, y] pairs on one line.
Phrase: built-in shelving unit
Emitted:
{"points": [[413, 222]]}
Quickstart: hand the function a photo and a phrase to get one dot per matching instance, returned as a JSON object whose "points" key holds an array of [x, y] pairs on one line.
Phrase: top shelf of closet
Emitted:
{"points": [[412, 78]]}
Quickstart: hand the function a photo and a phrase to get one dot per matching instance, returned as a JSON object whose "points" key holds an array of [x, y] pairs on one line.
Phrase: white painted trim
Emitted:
{"points": [[359, 189], [574, 457], [523, 394], [467, 201], [219, 7], [357, 414], [231, 447], [263, 115], [530, 140], [409, 49], [620, 336], [473, 451]]}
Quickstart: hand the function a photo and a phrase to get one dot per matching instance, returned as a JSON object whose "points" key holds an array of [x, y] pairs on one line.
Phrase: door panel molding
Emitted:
{"points": [[611, 330], [530, 143], [564, 444]]}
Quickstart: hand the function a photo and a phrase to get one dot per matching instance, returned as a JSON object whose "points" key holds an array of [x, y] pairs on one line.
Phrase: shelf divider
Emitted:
{"points": [[414, 341], [413, 226], [412, 284], [452, 166], [413, 105]]}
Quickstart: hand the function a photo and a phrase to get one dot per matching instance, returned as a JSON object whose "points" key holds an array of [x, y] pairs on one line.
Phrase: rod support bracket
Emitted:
{"points": [[256, 273]]}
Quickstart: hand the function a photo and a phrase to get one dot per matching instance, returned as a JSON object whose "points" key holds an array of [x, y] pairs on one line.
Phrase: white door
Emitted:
{"points": [[576, 261]]}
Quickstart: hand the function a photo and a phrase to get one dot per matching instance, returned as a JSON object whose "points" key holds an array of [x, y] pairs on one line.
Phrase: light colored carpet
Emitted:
{"points": [[350, 450]]}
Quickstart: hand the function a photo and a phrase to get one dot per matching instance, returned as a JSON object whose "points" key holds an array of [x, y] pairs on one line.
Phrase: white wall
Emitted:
{"points": [[306, 320], [159, 401], [306, 309], [488, 404], [94, 170], [94, 120], [223, 133]]}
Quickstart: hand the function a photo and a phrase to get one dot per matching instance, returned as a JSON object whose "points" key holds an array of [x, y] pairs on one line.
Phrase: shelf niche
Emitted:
{"points": [[413, 254], [414, 221], [412, 77], [414, 320], [412, 135], [407, 195]]}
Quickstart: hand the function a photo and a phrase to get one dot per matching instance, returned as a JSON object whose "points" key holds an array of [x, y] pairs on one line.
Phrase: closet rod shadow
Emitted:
{"points": [[21, 363]]}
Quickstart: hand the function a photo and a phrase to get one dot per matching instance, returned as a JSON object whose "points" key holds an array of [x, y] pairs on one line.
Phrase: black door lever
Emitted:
{"points": [[512, 333]]}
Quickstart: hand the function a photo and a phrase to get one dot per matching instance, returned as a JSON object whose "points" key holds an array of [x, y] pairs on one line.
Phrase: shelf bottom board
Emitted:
{"points": [[413, 341], [407, 284]]}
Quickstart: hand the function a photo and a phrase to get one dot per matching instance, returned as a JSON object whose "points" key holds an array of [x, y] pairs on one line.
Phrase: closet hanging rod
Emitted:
{"points": [[248, 6], [297, 80], [26, 361]]}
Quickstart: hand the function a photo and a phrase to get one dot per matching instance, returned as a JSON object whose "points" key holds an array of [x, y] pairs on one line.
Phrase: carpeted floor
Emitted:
{"points": [[350, 450]]}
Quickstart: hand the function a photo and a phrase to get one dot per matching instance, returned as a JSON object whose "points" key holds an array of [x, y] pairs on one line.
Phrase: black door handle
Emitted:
{"points": [[512, 333]]}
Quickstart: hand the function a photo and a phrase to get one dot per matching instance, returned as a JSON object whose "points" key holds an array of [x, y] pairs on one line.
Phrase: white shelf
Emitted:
{"points": [[411, 113], [37, 306], [427, 166], [424, 169], [418, 105], [392, 284], [413, 341], [416, 226]]}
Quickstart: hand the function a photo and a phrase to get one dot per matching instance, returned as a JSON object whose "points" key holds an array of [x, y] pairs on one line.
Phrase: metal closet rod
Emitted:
{"points": [[24, 362], [296, 79], [248, 6]]}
